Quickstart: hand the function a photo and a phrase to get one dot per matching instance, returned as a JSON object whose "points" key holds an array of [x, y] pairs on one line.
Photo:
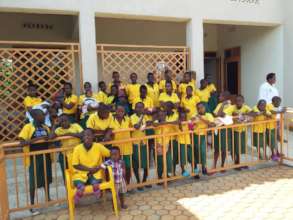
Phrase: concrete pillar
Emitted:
{"points": [[87, 39], [195, 41]]}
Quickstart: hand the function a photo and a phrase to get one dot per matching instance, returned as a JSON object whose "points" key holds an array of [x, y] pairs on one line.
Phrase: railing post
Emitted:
{"points": [[282, 136], [4, 204], [165, 176]]}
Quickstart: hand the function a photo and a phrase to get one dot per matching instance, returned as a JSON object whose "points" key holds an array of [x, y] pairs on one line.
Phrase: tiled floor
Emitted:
{"points": [[254, 194]]}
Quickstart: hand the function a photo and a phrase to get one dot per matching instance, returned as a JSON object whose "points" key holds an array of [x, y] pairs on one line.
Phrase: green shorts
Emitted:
{"points": [[223, 138], [160, 164], [185, 150], [127, 162], [239, 142], [149, 132], [258, 140], [90, 181], [143, 156], [271, 138], [175, 151], [200, 149]]}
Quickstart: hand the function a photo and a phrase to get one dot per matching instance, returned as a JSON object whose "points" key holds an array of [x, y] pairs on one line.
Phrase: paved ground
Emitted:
{"points": [[254, 194]]}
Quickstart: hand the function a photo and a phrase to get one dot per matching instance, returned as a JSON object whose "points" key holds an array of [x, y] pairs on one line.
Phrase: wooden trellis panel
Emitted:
{"points": [[140, 59], [46, 65]]}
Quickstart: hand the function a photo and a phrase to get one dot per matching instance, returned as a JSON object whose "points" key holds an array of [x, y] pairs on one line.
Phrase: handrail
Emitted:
{"points": [[39, 43], [141, 46]]}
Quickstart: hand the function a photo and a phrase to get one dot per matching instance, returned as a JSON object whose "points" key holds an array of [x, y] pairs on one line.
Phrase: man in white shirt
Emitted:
{"points": [[268, 90]]}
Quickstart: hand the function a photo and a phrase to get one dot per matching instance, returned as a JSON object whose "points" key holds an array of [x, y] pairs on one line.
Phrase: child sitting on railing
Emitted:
{"points": [[118, 167]]}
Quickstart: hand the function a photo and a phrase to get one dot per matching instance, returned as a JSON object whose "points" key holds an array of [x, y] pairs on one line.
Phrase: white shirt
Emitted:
{"points": [[267, 92]]}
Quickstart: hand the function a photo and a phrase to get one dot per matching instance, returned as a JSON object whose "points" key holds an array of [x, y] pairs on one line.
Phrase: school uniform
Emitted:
{"points": [[125, 147], [204, 96], [132, 91], [153, 92], [162, 85], [102, 97], [71, 113], [164, 97], [271, 131], [213, 100], [30, 102], [182, 88], [184, 141], [96, 123], [190, 104]]}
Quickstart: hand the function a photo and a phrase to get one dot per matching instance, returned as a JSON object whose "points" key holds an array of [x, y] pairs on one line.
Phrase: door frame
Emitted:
{"points": [[219, 74]]}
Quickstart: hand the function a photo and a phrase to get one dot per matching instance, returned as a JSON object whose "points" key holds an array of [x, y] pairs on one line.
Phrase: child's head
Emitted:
{"points": [[67, 88], [114, 90], [115, 153], [120, 111], [64, 121], [271, 78], [139, 107], [102, 86], [169, 87], [187, 77], [87, 86], [224, 96], [103, 111], [261, 105], [115, 76], [151, 77], [162, 115], [38, 116], [203, 83], [168, 75], [133, 77], [88, 93], [32, 90], [201, 109], [182, 115], [276, 100], [88, 137], [53, 111], [143, 91], [189, 91], [239, 101], [169, 106]]}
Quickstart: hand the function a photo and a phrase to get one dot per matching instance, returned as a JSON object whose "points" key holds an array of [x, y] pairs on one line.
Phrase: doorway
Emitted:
{"points": [[212, 67]]}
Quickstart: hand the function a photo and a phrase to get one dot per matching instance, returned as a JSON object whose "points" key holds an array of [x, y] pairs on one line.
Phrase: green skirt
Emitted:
{"points": [[239, 142], [37, 172], [160, 164], [200, 149], [223, 138], [143, 156], [271, 138]]}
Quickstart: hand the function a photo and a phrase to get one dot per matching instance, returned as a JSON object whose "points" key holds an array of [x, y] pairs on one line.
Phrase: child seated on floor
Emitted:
{"points": [[118, 168]]}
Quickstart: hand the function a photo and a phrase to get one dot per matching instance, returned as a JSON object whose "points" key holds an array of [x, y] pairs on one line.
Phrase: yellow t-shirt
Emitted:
{"points": [[164, 97], [134, 119], [73, 129], [243, 110], [184, 138], [71, 99], [91, 158], [26, 134], [190, 104], [202, 125], [259, 128], [204, 95], [212, 88], [30, 102], [148, 104], [109, 100], [122, 86], [125, 147], [153, 93], [162, 85], [132, 91], [182, 88], [96, 123], [271, 109], [102, 97], [81, 103], [228, 109]]}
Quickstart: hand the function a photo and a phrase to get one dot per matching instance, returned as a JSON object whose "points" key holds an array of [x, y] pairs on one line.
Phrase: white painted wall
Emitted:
{"points": [[261, 53]]}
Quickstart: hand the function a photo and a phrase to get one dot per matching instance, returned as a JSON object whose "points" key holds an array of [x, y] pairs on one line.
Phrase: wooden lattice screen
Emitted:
{"points": [[47, 65], [140, 59]]}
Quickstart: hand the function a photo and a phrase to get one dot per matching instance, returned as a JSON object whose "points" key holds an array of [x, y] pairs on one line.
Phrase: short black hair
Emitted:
{"points": [[270, 76], [87, 83], [260, 101], [68, 84], [150, 73], [143, 87], [113, 148], [100, 83], [115, 72], [275, 98]]}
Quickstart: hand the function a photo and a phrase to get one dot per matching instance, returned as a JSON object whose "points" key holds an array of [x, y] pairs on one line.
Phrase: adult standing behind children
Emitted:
{"points": [[268, 89]]}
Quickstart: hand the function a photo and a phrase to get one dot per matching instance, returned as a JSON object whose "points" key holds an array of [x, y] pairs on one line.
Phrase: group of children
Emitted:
{"points": [[181, 116]]}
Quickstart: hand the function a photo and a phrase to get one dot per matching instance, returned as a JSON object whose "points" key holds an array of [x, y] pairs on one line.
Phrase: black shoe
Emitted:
{"points": [[140, 189], [196, 177], [148, 186], [204, 171]]}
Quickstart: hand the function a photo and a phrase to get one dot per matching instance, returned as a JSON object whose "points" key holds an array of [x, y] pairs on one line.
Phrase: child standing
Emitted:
{"points": [[168, 78], [140, 151], [102, 95], [185, 83], [86, 161], [70, 102], [122, 121], [169, 96], [204, 93], [153, 89], [202, 120], [132, 89], [116, 81], [118, 167], [189, 102]]}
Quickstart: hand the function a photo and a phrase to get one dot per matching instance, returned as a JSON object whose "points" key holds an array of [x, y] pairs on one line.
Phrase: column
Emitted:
{"points": [[195, 41], [87, 39]]}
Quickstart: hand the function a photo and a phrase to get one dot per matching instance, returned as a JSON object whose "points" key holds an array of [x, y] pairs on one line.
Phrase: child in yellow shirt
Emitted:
{"points": [[67, 129], [140, 151], [153, 89], [189, 102], [122, 122], [70, 102], [169, 96], [213, 100], [185, 83], [240, 111], [132, 89], [112, 96], [116, 81], [102, 95], [260, 113], [87, 159], [202, 120], [204, 93], [168, 78]]}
